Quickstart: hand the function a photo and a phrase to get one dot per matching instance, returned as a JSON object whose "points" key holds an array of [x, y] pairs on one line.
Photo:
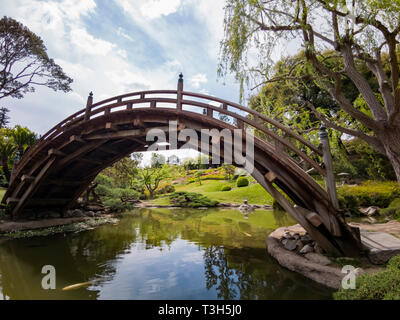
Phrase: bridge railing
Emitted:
{"points": [[183, 101]]}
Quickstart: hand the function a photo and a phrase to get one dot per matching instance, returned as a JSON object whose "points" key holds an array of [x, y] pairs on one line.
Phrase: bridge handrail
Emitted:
{"points": [[118, 101]]}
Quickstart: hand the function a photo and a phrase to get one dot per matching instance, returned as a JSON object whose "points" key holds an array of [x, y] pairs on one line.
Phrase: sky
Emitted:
{"points": [[118, 46]]}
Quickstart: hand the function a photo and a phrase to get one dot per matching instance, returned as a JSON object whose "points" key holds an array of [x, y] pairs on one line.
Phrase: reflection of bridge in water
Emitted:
{"points": [[212, 260], [60, 166]]}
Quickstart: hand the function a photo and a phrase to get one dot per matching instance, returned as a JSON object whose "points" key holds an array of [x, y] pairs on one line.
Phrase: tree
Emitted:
{"points": [[198, 176], [4, 117], [124, 171], [364, 35], [7, 153], [24, 62], [229, 170], [22, 138], [152, 176], [157, 160]]}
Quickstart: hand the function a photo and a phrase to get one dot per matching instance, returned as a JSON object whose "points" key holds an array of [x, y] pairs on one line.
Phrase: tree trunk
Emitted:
{"points": [[390, 139], [6, 171]]}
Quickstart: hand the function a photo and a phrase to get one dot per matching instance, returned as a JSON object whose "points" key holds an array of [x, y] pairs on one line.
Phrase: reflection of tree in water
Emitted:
{"points": [[246, 274]]}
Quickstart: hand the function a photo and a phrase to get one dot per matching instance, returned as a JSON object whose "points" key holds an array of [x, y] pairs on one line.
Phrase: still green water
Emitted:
{"points": [[158, 254]]}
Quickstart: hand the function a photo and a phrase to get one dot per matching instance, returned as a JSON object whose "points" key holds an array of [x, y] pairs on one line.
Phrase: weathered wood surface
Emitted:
{"points": [[69, 156]]}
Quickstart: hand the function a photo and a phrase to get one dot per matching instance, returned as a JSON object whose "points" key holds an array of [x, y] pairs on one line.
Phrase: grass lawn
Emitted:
{"points": [[254, 193]]}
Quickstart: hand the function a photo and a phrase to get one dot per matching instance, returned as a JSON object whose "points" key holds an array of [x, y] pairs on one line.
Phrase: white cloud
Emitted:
{"points": [[104, 66], [88, 44], [198, 79], [156, 8], [122, 53]]}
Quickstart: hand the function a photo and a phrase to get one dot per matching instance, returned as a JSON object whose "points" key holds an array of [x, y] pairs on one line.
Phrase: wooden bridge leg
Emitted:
{"points": [[33, 186], [320, 234]]}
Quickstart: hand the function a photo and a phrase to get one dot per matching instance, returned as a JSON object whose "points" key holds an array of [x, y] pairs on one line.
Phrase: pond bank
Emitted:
{"points": [[46, 227], [320, 268], [220, 205]]}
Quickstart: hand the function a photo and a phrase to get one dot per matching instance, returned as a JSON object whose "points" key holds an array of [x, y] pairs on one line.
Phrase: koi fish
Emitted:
{"points": [[80, 285]]}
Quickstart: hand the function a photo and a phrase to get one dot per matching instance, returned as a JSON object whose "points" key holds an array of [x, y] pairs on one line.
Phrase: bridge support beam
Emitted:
{"points": [[317, 231]]}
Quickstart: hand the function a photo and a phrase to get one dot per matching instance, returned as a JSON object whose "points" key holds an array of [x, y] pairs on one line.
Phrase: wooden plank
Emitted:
{"points": [[78, 153], [314, 232], [137, 122], [111, 126], [124, 133], [26, 177], [314, 219], [76, 139], [12, 200], [32, 188], [55, 152], [115, 135], [270, 176]]}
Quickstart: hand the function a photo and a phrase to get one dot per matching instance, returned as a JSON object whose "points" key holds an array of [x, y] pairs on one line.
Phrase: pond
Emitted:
{"points": [[158, 254]]}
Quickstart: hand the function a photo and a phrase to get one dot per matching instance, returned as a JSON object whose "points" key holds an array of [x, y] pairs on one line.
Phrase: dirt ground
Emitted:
{"points": [[9, 226], [392, 227]]}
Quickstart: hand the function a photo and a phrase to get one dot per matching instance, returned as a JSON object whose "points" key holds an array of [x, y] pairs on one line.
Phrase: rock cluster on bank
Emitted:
{"points": [[303, 244], [88, 210]]}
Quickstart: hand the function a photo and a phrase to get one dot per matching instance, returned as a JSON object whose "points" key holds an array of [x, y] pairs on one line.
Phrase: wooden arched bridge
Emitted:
{"points": [[60, 166]]}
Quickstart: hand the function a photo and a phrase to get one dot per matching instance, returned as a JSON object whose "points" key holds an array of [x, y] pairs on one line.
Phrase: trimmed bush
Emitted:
{"points": [[393, 209], [226, 188], [167, 188], [369, 193], [242, 182], [191, 200], [383, 285], [116, 205]]}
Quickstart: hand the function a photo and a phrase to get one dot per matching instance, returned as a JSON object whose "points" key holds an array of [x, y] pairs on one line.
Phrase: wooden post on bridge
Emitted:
{"points": [[327, 159], [179, 93], [89, 106]]}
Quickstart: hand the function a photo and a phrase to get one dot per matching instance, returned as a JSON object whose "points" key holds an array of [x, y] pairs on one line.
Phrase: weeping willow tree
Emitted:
{"points": [[339, 39]]}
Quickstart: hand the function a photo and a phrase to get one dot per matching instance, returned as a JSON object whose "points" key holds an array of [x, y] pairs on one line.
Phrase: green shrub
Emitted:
{"points": [[104, 180], [191, 199], [395, 203], [226, 188], [369, 193], [116, 205], [383, 285], [167, 188], [242, 182], [128, 194], [392, 210], [213, 177]]}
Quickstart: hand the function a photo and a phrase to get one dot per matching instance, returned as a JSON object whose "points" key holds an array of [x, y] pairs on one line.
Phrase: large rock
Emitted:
{"points": [[380, 246], [306, 239], [370, 211], [290, 245], [326, 275], [317, 258], [307, 249]]}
